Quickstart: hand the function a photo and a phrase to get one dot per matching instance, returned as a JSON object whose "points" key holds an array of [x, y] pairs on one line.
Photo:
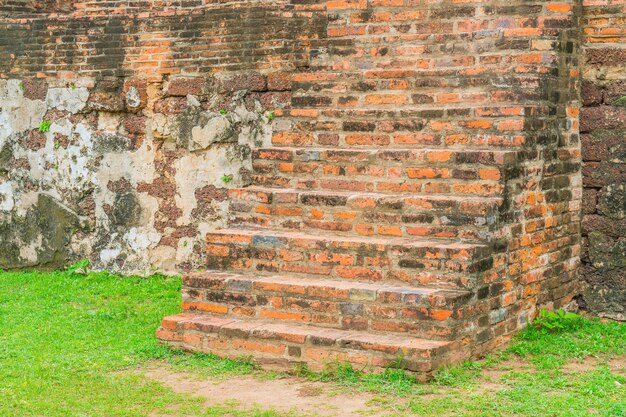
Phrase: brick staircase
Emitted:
{"points": [[378, 227]]}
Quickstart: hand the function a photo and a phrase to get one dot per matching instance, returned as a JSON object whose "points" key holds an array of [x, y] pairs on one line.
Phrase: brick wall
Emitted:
{"points": [[603, 129], [94, 41]]}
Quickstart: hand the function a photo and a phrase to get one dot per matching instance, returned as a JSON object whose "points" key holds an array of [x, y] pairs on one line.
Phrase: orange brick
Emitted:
{"points": [[559, 7], [206, 307], [386, 99]]}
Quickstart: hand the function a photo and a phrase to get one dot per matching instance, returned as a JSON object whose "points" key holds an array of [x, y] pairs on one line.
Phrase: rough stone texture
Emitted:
{"points": [[603, 128]]}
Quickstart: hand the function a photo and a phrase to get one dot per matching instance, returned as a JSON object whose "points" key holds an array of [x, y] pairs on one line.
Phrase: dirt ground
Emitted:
{"points": [[288, 394], [306, 398]]}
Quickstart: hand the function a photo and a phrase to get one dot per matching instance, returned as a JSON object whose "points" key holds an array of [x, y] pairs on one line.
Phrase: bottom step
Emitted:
{"points": [[280, 346]]}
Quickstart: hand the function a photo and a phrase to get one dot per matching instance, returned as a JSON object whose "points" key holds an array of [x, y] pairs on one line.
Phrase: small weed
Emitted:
{"points": [[227, 178], [44, 126], [21, 86], [270, 116], [223, 112], [80, 267], [458, 375], [391, 380], [619, 102], [555, 321]]}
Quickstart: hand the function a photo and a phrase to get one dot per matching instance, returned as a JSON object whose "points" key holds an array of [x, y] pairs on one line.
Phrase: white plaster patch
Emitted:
{"points": [[132, 97], [161, 125], [215, 130], [196, 171], [16, 112], [109, 255], [5, 128], [72, 99], [141, 240], [108, 122], [14, 89], [29, 252], [7, 201], [163, 258], [26, 200]]}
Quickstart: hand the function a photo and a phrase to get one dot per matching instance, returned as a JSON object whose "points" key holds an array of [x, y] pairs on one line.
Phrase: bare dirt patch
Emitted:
{"points": [[587, 364], [618, 365], [303, 397]]}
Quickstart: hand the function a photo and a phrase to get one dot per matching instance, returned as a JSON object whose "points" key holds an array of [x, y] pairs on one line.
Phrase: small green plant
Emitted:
{"points": [[223, 112], [619, 102], [270, 116], [57, 144], [554, 321], [44, 126], [21, 86], [227, 178], [80, 267]]}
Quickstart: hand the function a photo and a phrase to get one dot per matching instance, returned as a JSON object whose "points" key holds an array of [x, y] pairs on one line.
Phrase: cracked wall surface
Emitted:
{"points": [[132, 189]]}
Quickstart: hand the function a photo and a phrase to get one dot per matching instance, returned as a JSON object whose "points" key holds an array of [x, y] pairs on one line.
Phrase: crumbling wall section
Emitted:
{"points": [[124, 124]]}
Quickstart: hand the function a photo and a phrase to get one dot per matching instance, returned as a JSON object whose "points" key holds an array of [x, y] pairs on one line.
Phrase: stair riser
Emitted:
{"points": [[279, 350], [365, 216], [427, 172], [381, 184], [387, 159], [330, 134], [420, 322], [276, 355], [433, 316], [346, 260]]}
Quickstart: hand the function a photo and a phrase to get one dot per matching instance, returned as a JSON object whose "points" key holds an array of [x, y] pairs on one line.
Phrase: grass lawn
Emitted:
{"points": [[80, 346]]}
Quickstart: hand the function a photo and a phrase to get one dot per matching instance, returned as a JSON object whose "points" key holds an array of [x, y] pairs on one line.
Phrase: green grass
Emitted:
{"points": [[77, 346], [69, 345]]}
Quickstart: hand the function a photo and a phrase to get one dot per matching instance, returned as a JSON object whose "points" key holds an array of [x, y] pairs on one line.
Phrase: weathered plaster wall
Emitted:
{"points": [[603, 128], [149, 124], [131, 190]]}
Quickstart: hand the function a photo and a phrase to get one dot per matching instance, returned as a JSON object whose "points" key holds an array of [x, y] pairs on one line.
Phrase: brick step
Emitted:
{"points": [[422, 262], [423, 312], [395, 119], [427, 171], [281, 346], [366, 214], [437, 131]]}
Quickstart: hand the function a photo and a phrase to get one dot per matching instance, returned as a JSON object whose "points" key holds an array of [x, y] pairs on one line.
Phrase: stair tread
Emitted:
{"points": [[376, 195], [412, 242], [325, 283], [299, 333]]}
